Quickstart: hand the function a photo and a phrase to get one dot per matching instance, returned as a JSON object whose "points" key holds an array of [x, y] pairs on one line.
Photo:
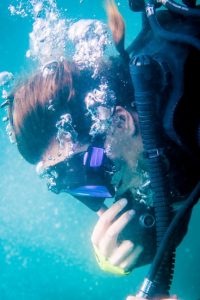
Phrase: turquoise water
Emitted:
{"points": [[45, 249]]}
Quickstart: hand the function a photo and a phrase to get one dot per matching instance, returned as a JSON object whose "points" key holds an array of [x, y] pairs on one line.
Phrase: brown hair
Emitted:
{"points": [[31, 116]]}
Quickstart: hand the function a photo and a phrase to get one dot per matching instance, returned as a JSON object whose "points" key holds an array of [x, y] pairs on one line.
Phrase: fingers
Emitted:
{"points": [[131, 260], [109, 240], [102, 210], [123, 251], [106, 219], [105, 236]]}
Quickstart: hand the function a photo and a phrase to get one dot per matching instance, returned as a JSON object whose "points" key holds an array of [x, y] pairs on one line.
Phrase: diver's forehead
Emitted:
{"points": [[56, 153]]}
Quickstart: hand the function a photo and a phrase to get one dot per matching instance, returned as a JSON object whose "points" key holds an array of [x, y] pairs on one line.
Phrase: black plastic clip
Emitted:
{"points": [[154, 153]]}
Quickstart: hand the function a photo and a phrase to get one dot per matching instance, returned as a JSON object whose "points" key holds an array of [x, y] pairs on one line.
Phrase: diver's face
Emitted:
{"points": [[122, 146], [123, 140]]}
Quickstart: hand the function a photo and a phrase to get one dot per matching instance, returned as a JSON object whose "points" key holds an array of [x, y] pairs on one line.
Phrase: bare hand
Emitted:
{"points": [[106, 232]]}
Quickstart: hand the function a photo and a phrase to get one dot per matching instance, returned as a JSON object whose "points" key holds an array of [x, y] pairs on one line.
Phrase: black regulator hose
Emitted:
{"points": [[181, 9], [167, 240], [165, 34], [147, 77]]}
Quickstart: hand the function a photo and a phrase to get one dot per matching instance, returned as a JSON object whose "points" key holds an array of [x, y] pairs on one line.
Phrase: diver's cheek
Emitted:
{"points": [[114, 145], [110, 149]]}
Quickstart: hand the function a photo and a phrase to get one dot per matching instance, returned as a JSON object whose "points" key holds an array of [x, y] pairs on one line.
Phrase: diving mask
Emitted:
{"points": [[85, 174]]}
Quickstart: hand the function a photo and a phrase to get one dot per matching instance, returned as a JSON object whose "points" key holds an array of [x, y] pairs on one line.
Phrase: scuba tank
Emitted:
{"points": [[161, 54]]}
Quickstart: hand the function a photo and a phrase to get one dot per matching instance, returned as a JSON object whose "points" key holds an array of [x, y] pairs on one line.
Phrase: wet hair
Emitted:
{"points": [[38, 104]]}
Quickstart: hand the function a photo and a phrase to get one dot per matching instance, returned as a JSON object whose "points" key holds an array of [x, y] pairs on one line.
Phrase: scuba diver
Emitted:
{"points": [[131, 133]]}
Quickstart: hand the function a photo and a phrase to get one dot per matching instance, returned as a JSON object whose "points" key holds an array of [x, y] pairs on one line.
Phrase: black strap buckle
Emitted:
{"points": [[154, 153]]}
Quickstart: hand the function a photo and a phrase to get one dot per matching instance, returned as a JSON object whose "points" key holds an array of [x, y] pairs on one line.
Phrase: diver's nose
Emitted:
{"points": [[39, 168]]}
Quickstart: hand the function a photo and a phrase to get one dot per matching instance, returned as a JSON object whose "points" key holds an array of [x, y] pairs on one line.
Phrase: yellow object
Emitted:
{"points": [[106, 266]]}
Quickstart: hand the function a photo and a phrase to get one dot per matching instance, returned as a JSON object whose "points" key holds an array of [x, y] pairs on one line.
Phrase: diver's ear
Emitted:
{"points": [[124, 120]]}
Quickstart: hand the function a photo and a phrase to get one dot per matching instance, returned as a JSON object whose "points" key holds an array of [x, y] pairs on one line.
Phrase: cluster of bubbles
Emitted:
{"points": [[6, 79], [90, 38], [143, 193], [100, 104], [47, 40], [66, 131], [52, 32], [6, 84], [18, 9], [51, 177]]}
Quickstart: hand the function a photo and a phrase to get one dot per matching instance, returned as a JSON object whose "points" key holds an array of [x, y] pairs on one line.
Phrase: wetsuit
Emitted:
{"points": [[178, 114]]}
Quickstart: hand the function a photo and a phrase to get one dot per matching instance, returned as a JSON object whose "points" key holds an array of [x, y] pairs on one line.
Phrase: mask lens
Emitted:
{"points": [[86, 174], [65, 175]]}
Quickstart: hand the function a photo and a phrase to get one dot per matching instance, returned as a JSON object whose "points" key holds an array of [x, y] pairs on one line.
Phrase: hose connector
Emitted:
{"points": [[145, 289]]}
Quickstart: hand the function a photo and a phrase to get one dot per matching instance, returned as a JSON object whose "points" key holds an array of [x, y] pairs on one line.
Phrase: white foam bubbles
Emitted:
{"points": [[18, 9], [47, 39], [51, 32], [90, 38], [66, 132], [100, 104], [6, 84], [5, 78]]}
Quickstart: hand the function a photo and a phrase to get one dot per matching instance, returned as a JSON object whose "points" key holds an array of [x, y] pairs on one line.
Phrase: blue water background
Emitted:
{"points": [[45, 248]]}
